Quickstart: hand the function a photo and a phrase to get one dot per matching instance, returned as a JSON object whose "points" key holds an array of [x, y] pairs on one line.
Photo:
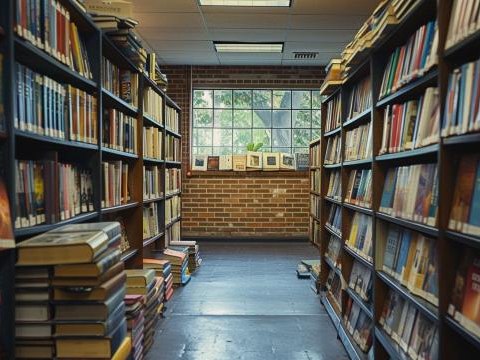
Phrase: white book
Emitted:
{"points": [[225, 162], [199, 163]]}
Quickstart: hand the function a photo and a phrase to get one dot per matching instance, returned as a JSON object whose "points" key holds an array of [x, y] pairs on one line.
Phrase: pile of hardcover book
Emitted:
{"points": [[194, 260], [163, 269], [70, 286], [179, 263], [135, 323]]}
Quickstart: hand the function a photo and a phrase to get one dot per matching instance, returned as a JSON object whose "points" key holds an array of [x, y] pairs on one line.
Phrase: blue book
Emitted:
{"points": [[391, 249], [388, 190], [475, 94], [403, 253], [474, 216]]}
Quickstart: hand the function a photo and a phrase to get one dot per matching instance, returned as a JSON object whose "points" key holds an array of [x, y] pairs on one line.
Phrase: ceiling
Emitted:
{"points": [[182, 31]]}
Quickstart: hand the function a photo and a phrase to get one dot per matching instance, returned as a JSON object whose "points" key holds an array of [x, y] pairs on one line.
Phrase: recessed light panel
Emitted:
{"points": [[249, 47], [269, 3]]}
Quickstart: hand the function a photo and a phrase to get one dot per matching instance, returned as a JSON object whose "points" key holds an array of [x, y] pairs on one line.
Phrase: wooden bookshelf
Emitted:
{"points": [[454, 340], [19, 144]]}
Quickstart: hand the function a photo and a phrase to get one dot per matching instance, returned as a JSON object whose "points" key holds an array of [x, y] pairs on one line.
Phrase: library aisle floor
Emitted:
{"points": [[246, 303]]}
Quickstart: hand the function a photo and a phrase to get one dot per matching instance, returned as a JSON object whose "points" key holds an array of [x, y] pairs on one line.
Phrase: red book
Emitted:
{"points": [[471, 300]]}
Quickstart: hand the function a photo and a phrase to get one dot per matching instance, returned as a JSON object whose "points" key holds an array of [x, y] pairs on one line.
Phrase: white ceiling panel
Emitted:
{"points": [[331, 47], [246, 21], [170, 20], [331, 7], [149, 6], [153, 33], [320, 35], [253, 35], [326, 22], [174, 45]]}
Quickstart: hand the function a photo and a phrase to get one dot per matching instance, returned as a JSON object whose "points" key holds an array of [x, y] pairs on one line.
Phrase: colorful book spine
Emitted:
{"points": [[119, 131]]}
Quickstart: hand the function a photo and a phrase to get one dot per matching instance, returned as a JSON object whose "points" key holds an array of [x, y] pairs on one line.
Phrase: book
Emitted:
{"points": [[334, 183], [335, 218], [116, 183], [7, 240], [315, 155], [172, 209], [153, 105], [360, 98], [151, 226], [239, 162], [334, 117], [119, 131], [121, 83], [254, 160], [225, 163], [172, 119], [173, 181], [152, 142], [172, 148], [333, 154], [287, 161], [358, 143], [359, 188], [199, 163], [464, 19], [213, 163], [271, 161], [153, 182], [139, 277], [302, 161], [360, 236]]}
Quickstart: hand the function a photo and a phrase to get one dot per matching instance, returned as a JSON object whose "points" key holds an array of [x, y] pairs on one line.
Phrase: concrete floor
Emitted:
{"points": [[246, 303]]}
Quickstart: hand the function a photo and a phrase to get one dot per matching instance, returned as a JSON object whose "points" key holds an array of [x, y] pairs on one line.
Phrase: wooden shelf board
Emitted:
{"points": [[364, 116], [148, 201], [315, 193], [119, 153], [332, 265], [332, 200], [469, 240], [351, 347], [172, 103], [358, 163], [329, 97], [152, 160], [152, 84], [430, 150], [332, 166], [148, 120], [38, 229], [459, 53], [173, 133], [315, 217], [332, 132], [177, 219], [429, 230], [173, 163], [315, 167], [176, 193], [361, 209], [119, 103], [366, 308], [392, 349], [464, 333], [128, 254], [122, 207], [462, 139], [315, 141], [358, 257], [429, 310], [54, 141], [151, 240], [332, 231]]}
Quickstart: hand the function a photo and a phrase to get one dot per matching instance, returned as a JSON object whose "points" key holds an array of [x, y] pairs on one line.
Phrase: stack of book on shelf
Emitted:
{"points": [[414, 334], [151, 226], [134, 311], [152, 142], [335, 218], [121, 83], [194, 260], [115, 183], [335, 285], [173, 149], [360, 237], [315, 205], [333, 154], [163, 269], [172, 119], [315, 155], [358, 325], [119, 131], [334, 250], [361, 281], [153, 104], [152, 182], [334, 77], [464, 21], [172, 209], [173, 180], [334, 114], [358, 143], [79, 296], [179, 263], [360, 98], [359, 188], [334, 189], [315, 176]]}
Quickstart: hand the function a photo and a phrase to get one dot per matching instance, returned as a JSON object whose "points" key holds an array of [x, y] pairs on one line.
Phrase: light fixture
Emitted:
{"points": [[243, 47], [259, 3]]}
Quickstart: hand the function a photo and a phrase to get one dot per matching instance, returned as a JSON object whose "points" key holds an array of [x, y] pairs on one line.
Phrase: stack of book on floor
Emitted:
{"points": [[83, 300], [194, 259], [163, 268], [179, 262], [134, 310]]}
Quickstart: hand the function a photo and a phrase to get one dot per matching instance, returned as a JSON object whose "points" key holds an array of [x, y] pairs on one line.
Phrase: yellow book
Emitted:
{"points": [[124, 350]]}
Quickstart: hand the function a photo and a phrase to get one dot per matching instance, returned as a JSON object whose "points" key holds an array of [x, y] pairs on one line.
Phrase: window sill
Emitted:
{"points": [[247, 174]]}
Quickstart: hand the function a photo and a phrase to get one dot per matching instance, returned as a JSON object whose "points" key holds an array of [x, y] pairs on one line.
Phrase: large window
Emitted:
{"points": [[226, 121]]}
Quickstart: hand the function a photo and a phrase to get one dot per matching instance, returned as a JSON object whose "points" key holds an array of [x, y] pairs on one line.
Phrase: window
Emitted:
{"points": [[226, 121]]}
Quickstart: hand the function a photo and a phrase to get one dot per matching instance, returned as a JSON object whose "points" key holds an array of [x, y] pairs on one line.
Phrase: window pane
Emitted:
{"points": [[301, 150], [281, 137], [202, 98], [225, 150], [202, 118], [241, 138], [263, 136], [286, 150], [242, 118], [315, 133], [316, 99], [239, 150], [302, 118], [202, 137], [301, 99], [282, 119], [316, 119], [222, 137], [202, 150], [301, 137], [242, 99], [223, 118], [262, 99], [223, 98], [262, 118], [282, 99]]}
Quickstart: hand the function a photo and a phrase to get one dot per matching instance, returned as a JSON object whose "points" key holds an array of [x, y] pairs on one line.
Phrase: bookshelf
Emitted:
{"points": [[116, 138], [446, 152]]}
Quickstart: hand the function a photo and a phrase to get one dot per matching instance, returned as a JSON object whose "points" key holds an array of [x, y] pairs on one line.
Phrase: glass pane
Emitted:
{"points": [[242, 99], [242, 118], [282, 118], [315, 134], [301, 99], [222, 137], [202, 98], [316, 119], [223, 98], [316, 99], [202, 137], [286, 150], [282, 99], [302, 118], [239, 150], [262, 118], [303, 150], [202, 150], [223, 118], [281, 137], [263, 136], [202, 118], [241, 138], [301, 137], [225, 150], [262, 99]]}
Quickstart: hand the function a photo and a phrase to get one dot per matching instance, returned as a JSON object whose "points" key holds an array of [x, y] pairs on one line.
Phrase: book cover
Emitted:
{"points": [[239, 162], [302, 161], [287, 161], [225, 163], [471, 299], [199, 163], [474, 216], [391, 248], [254, 160], [388, 191], [403, 253], [213, 163], [7, 240]]}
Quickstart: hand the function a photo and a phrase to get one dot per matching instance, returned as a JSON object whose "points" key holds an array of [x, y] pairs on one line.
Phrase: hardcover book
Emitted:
{"points": [[302, 161], [199, 163], [7, 241], [213, 163], [271, 161], [254, 160], [287, 161], [225, 163], [239, 162]]}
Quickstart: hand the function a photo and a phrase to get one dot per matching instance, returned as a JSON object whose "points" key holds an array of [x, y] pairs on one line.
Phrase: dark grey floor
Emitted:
{"points": [[246, 303]]}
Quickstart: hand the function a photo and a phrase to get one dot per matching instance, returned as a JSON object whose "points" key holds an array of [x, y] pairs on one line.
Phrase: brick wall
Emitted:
{"points": [[250, 204]]}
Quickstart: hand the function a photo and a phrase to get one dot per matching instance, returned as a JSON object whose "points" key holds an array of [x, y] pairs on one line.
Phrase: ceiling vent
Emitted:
{"points": [[305, 55]]}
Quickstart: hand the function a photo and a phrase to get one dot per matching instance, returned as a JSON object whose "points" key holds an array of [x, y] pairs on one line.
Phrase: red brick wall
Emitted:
{"points": [[247, 204]]}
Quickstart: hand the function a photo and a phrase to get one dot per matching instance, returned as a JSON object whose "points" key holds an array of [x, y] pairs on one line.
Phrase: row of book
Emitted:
{"points": [[465, 209], [173, 180], [152, 142], [411, 192], [48, 191], [411, 124], [361, 280], [412, 259], [173, 209], [173, 148], [360, 239], [464, 21], [153, 105], [151, 227], [358, 143], [359, 188], [334, 114], [334, 250], [358, 325], [411, 60], [315, 176], [415, 335], [124, 84], [333, 153], [461, 114], [172, 233], [252, 161], [48, 26], [152, 182], [315, 158], [115, 183], [334, 220], [315, 205], [119, 131], [334, 190], [172, 119], [70, 288], [360, 98], [334, 289], [47, 107]]}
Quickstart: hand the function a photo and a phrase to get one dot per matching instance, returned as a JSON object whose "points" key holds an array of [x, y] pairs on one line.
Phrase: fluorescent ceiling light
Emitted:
{"points": [[248, 47], [270, 3]]}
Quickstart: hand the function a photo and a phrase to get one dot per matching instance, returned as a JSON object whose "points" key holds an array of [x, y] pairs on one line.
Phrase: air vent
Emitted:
{"points": [[305, 55]]}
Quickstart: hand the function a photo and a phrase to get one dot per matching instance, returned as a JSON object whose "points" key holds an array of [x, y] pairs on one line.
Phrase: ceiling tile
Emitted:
{"points": [[246, 21], [170, 20], [291, 46], [320, 35], [329, 7], [330, 22], [149, 6], [154, 33], [175, 45], [254, 35]]}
